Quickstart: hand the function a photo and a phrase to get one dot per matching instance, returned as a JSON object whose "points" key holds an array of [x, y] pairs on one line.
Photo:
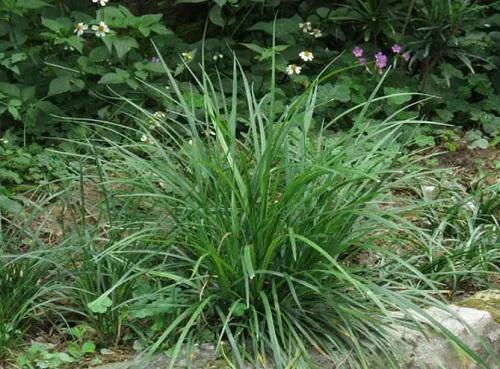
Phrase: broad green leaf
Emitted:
{"points": [[341, 93], [18, 57], [286, 28], [398, 99], [76, 42], [10, 206], [9, 176], [123, 44], [100, 305], [449, 71], [481, 143], [65, 358], [444, 115], [48, 107], [216, 17], [10, 89], [99, 54], [32, 4], [492, 127], [254, 47], [88, 347], [323, 12], [120, 76], [57, 25], [64, 84], [14, 112], [150, 67], [150, 23], [424, 141], [239, 309], [158, 28]]}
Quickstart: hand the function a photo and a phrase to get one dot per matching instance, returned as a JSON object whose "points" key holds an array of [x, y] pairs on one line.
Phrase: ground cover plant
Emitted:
{"points": [[264, 178]]}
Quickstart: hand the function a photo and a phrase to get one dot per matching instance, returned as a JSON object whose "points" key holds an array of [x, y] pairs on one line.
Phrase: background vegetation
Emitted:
{"points": [[261, 175]]}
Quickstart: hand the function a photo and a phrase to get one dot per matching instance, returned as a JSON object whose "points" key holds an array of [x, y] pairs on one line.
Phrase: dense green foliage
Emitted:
{"points": [[253, 174]]}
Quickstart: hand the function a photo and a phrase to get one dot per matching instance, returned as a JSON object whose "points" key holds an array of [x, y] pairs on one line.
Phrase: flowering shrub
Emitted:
{"points": [[76, 49]]}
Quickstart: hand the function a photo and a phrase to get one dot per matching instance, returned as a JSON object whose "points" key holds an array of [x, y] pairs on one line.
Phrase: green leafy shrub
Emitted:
{"points": [[73, 57]]}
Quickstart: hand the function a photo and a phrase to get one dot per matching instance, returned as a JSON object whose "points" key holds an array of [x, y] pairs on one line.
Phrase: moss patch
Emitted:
{"points": [[485, 300]]}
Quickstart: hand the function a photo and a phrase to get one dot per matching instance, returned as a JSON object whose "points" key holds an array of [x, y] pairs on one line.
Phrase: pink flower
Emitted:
{"points": [[407, 56], [380, 60], [358, 52], [362, 61], [396, 48]]}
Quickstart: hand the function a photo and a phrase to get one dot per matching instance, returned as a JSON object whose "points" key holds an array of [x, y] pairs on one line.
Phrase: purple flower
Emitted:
{"points": [[362, 61], [396, 48], [380, 60], [358, 52], [407, 56]]}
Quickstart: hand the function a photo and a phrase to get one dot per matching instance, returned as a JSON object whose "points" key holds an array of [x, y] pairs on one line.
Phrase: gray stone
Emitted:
{"points": [[476, 328]]}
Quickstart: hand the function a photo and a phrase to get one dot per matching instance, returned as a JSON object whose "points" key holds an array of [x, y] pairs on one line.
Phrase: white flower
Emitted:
{"points": [[4, 141], [306, 56], [101, 29], [217, 57], [305, 27], [187, 56], [101, 2], [80, 28], [316, 33], [146, 139], [154, 121], [160, 115], [293, 69]]}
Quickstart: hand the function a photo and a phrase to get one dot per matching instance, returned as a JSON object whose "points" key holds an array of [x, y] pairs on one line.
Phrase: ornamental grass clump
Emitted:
{"points": [[265, 222]]}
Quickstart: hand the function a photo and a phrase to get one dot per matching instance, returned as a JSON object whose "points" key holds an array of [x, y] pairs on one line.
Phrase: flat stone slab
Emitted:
{"points": [[476, 328]]}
